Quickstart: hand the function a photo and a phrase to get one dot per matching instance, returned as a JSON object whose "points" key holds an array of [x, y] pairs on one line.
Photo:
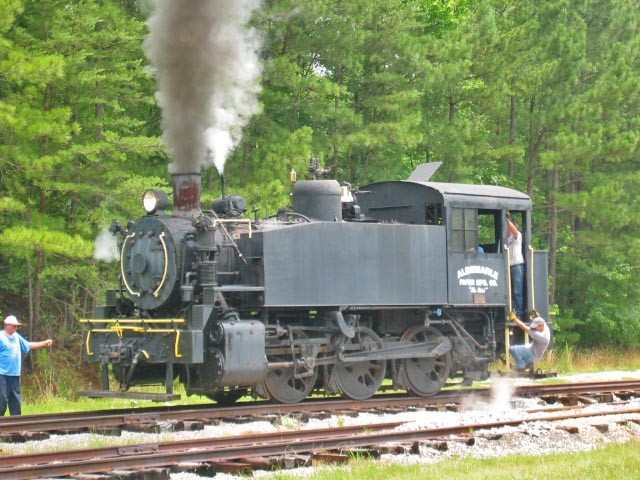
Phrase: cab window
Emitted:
{"points": [[464, 228], [489, 230], [433, 214]]}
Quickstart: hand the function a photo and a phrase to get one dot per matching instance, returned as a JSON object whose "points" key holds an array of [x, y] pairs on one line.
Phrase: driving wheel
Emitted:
{"points": [[360, 380], [290, 384], [424, 376]]}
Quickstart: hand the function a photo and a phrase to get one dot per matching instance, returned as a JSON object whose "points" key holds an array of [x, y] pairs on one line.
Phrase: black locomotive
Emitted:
{"points": [[400, 280]]}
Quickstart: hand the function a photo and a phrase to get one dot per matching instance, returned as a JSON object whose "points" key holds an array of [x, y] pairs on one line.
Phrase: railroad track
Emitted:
{"points": [[248, 447], [146, 419]]}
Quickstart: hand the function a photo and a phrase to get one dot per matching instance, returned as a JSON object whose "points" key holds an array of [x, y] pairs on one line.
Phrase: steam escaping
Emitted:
{"points": [[501, 396], [502, 390], [106, 248], [208, 70]]}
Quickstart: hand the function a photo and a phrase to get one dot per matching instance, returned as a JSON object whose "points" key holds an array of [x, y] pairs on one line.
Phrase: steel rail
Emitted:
{"points": [[10, 461], [118, 418], [573, 388], [269, 448], [112, 418]]}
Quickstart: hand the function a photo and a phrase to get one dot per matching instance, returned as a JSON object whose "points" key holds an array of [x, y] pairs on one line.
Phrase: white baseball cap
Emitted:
{"points": [[11, 320], [536, 322]]}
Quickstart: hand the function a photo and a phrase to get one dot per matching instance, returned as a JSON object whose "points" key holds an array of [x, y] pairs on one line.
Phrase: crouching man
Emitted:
{"points": [[540, 335]]}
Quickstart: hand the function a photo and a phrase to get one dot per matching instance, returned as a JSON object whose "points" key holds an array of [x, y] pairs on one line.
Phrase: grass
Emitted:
{"points": [[612, 462], [37, 404], [568, 360]]}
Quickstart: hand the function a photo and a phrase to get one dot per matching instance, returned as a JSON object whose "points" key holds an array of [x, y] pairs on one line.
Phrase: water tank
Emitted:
{"points": [[318, 199]]}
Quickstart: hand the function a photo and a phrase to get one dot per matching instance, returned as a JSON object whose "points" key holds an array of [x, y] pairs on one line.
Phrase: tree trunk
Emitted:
{"points": [[29, 358], [336, 127], [30, 287], [99, 120], [75, 200], [34, 285], [576, 186], [532, 148], [512, 135], [452, 109], [37, 289], [553, 233]]}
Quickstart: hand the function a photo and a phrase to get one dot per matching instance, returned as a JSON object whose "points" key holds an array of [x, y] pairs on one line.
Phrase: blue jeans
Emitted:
{"points": [[10, 395], [517, 286], [522, 355]]}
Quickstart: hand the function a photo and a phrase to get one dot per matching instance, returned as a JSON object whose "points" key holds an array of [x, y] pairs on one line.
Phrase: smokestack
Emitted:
{"points": [[186, 194]]}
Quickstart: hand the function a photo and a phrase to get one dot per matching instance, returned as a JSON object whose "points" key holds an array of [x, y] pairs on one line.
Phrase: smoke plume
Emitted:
{"points": [[207, 69], [106, 248]]}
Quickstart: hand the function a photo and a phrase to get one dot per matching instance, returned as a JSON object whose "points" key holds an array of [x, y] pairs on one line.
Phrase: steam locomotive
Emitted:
{"points": [[405, 281]]}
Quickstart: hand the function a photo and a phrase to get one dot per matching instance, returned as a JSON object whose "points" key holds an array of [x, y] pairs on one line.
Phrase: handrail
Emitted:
{"points": [[506, 248], [119, 330], [132, 320], [533, 285]]}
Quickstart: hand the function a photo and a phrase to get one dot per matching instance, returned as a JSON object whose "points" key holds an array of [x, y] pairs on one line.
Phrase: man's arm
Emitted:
{"points": [[43, 343], [513, 230], [522, 325]]}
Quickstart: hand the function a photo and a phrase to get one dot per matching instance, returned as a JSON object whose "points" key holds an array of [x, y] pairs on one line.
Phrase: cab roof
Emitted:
{"points": [[469, 190]]}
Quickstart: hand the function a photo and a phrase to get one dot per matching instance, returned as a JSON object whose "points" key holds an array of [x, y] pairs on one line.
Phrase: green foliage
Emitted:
{"points": [[21, 242], [78, 123], [541, 97]]}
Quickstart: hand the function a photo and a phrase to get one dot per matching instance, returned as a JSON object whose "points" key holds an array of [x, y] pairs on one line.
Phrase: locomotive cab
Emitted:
{"points": [[477, 272]]}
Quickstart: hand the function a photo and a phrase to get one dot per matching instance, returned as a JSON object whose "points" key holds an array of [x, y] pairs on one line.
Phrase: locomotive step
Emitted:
{"points": [[155, 397]]}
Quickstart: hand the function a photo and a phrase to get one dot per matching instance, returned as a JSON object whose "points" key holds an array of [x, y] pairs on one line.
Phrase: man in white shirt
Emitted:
{"points": [[516, 263]]}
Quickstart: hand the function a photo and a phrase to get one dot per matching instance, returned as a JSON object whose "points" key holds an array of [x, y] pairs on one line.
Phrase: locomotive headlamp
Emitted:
{"points": [[154, 200]]}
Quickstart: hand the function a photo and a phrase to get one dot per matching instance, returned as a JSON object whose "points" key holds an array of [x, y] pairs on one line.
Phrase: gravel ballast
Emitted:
{"points": [[533, 437]]}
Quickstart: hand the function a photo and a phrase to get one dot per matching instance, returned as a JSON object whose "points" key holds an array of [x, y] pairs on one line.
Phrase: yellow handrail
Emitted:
{"points": [[533, 288], [88, 343], [132, 320], [176, 346], [508, 275], [118, 329], [507, 330], [115, 329]]}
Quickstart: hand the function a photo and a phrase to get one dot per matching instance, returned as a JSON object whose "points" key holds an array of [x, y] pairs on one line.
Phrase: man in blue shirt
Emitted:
{"points": [[12, 347]]}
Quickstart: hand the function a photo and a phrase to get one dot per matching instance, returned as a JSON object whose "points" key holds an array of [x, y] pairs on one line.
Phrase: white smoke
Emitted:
{"points": [[106, 248], [208, 72], [502, 390], [501, 396]]}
